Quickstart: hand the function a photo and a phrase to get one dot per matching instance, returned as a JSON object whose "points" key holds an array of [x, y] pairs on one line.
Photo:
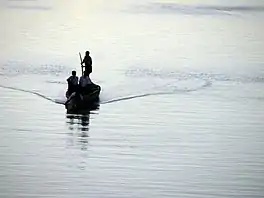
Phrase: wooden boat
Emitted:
{"points": [[89, 100]]}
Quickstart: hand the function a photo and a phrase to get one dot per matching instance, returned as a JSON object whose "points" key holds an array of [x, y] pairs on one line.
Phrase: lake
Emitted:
{"points": [[181, 106]]}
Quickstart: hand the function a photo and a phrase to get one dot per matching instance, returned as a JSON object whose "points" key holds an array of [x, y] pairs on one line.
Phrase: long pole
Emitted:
{"points": [[81, 62]]}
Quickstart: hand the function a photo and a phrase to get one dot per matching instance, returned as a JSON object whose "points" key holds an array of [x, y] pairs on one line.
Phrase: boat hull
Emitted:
{"points": [[82, 103]]}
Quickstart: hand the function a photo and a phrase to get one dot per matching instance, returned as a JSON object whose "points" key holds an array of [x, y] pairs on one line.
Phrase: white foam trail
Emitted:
{"points": [[28, 91], [173, 91]]}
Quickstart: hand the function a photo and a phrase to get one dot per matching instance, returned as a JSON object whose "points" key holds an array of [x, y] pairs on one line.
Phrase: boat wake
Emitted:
{"points": [[165, 90], [146, 82], [28, 91], [172, 91]]}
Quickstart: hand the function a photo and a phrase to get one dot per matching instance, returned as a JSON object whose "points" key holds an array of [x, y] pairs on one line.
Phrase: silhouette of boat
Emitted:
{"points": [[78, 103]]}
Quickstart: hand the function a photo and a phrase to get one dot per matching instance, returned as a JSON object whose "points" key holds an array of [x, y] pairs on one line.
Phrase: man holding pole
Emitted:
{"points": [[87, 62]]}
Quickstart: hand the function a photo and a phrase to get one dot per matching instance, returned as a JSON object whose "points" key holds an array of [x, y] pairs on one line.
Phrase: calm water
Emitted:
{"points": [[182, 104]]}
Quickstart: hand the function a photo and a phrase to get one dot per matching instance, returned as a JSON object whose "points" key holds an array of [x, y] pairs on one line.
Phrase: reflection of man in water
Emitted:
{"points": [[88, 62], [72, 83]]}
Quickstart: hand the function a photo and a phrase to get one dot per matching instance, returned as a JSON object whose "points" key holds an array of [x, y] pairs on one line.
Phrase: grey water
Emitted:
{"points": [[182, 99]]}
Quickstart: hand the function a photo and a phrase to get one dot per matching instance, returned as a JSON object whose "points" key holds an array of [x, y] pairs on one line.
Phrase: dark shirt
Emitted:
{"points": [[73, 80], [88, 63], [72, 84], [87, 60]]}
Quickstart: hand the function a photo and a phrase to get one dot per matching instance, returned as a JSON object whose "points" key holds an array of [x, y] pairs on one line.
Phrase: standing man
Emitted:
{"points": [[88, 62]]}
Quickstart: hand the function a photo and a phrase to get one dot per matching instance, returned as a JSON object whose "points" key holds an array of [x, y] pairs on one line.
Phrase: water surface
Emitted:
{"points": [[182, 99]]}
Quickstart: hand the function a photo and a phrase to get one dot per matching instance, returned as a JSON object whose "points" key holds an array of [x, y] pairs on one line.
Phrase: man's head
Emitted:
{"points": [[74, 73], [87, 53]]}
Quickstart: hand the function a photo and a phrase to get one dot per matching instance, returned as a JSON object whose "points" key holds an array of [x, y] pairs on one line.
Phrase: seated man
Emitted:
{"points": [[72, 83], [85, 83]]}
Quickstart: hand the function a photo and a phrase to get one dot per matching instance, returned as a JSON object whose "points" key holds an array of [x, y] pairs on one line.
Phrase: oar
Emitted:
{"points": [[81, 62]]}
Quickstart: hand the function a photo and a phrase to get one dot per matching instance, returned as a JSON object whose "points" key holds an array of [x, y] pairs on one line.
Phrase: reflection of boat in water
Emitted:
{"points": [[79, 122], [77, 103]]}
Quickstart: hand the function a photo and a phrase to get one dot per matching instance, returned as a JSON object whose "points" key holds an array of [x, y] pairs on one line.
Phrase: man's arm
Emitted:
{"points": [[84, 60]]}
